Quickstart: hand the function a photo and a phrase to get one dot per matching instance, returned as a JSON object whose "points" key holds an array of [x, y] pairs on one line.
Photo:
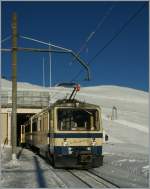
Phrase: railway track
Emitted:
{"points": [[92, 180], [113, 185], [89, 178]]}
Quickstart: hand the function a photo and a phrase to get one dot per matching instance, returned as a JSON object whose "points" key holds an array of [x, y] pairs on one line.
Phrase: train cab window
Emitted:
{"points": [[45, 122], [77, 119]]}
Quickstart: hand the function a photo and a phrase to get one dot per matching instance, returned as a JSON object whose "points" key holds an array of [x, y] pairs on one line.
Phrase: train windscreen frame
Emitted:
{"points": [[70, 119]]}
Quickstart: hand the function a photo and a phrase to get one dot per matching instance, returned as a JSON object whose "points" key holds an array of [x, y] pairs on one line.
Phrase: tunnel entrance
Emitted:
{"points": [[21, 119]]}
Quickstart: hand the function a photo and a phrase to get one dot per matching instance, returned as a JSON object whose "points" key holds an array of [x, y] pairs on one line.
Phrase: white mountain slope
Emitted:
{"points": [[131, 104], [126, 159]]}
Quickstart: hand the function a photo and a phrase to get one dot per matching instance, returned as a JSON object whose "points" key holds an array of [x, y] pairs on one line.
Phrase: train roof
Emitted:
{"points": [[68, 103], [63, 102]]}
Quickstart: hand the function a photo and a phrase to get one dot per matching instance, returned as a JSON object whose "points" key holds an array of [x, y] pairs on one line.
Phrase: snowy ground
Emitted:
{"points": [[127, 170], [126, 154]]}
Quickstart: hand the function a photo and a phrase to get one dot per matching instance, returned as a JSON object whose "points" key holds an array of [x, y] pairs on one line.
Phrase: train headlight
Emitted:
{"points": [[88, 148], [65, 142], [69, 150], [93, 142], [77, 104]]}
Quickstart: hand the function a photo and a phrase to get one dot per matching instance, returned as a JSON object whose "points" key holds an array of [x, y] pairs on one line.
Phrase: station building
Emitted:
{"points": [[29, 102]]}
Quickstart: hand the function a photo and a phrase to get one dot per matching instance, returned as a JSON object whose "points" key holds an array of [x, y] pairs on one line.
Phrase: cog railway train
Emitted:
{"points": [[69, 133]]}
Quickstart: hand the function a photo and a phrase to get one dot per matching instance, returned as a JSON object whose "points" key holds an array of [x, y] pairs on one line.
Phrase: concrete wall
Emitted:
{"points": [[4, 128]]}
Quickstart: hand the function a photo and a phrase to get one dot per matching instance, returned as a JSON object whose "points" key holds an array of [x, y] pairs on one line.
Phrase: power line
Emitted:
{"points": [[6, 39], [42, 42], [116, 35], [63, 50], [100, 23], [43, 72], [113, 38], [50, 68], [98, 26]]}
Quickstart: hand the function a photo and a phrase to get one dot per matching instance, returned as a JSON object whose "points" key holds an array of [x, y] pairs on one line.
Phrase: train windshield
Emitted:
{"points": [[78, 119]]}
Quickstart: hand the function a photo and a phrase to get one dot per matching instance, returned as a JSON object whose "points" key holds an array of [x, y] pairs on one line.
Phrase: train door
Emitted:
{"points": [[51, 131], [45, 127]]}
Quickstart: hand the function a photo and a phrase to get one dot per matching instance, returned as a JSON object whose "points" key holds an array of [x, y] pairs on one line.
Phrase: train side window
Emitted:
{"points": [[34, 126], [50, 120], [39, 124], [45, 122], [27, 128]]}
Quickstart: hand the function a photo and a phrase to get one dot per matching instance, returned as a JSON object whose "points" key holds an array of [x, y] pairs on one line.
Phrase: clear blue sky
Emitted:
{"points": [[123, 62]]}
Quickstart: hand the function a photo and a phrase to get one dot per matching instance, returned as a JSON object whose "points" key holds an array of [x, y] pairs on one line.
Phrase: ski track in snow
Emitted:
{"points": [[126, 123], [133, 125], [127, 99], [115, 140]]}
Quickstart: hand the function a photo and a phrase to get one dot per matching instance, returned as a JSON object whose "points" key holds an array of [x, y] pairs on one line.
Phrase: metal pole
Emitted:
{"points": [[14, 85], [50, 67], [43, 74]]}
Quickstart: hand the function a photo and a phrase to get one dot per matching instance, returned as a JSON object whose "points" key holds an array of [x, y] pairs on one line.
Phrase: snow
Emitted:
{"points": [[129, 160], [146, 167], [132, 125], [126, 154]]}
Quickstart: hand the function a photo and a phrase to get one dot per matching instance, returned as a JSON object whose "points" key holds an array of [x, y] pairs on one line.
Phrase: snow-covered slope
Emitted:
{"points": [[126, 152], [6, 85], [131, 104]]}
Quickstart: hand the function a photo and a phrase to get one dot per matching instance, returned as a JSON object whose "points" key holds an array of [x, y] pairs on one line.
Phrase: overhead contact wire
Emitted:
{"points": [[6, 39], [91, 35], [113, 38]]}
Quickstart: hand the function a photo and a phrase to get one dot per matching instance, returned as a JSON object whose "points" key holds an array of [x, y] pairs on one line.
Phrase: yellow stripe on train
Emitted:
{"points": [[78, 142]]}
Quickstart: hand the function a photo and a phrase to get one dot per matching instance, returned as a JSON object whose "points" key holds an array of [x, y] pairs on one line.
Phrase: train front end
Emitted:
{"points": [[78, 136]]}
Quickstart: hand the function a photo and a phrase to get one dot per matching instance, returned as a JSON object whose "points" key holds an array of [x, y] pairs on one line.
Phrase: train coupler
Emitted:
{"points": [[85, 158]]}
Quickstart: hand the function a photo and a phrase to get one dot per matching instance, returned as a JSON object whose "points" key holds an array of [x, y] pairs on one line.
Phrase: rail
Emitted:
{"points": [[92, 180]]}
